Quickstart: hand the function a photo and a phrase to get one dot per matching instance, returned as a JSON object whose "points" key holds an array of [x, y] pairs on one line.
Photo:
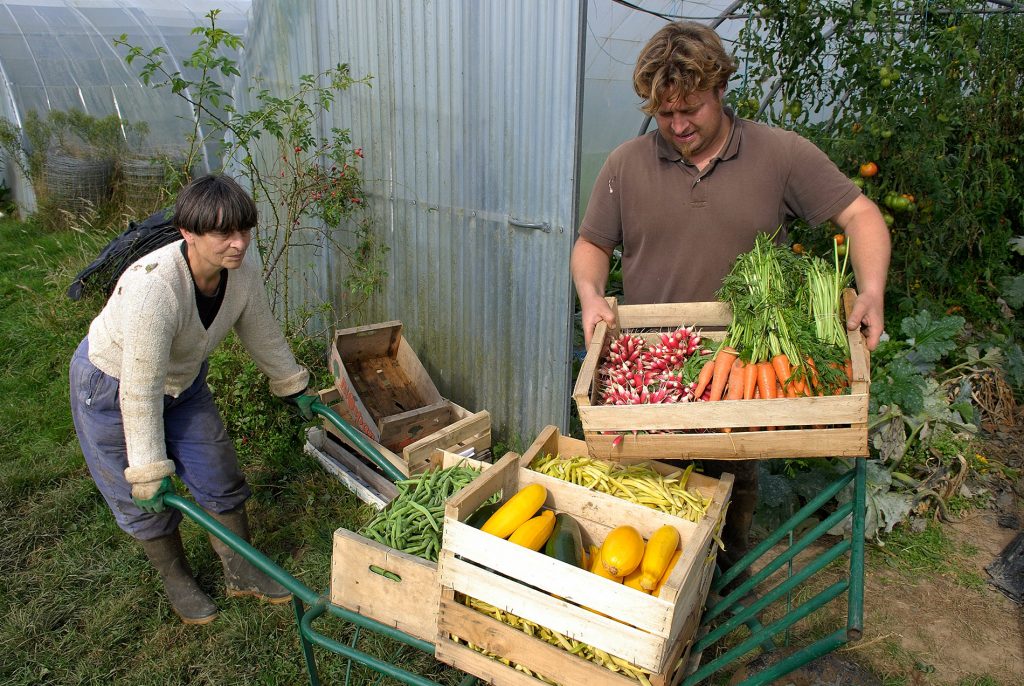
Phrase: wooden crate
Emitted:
{"points": [[455, 430], [833, 426], [409, 604], [642, 629], [385, 392]]}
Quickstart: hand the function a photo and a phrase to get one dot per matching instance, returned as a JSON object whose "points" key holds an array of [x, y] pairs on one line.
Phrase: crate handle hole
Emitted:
{"points": [[385, 573]]}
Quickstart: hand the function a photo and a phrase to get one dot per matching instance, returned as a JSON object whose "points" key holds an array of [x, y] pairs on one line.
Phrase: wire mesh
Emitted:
{"points": [[146, 178], [77, 182]]}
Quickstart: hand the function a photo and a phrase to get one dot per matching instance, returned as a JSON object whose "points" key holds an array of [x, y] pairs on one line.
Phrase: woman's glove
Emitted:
{"points": [[149, 495], [302, 402], [149, 484]]}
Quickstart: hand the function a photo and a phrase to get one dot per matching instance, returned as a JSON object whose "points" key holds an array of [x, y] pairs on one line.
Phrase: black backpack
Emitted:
{"points": [[142, 238]]}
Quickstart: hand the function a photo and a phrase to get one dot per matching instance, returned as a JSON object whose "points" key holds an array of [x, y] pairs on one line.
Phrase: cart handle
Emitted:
{"points": [[358, 439]]}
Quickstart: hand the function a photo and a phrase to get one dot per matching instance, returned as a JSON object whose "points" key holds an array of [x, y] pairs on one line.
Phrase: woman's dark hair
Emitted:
{"points": [[214, 204]]}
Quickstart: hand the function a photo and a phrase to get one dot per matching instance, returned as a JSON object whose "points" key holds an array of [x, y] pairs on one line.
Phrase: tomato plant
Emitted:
{"points": [[925, 110]]}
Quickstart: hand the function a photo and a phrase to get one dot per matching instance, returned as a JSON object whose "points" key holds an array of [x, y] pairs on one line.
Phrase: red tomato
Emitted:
{"points": [[868, 169]]}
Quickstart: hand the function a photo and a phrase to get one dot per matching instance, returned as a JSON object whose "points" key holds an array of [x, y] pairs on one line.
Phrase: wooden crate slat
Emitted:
{"points": [[617, 638], [535, 569], [810, 411], [400, 430], [537, 655], [472, 429], [372, 340], [671, 315], [738, 445]]}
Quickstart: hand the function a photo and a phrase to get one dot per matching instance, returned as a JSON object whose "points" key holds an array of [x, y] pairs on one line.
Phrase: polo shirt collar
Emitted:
{"points": [[730, 150]]}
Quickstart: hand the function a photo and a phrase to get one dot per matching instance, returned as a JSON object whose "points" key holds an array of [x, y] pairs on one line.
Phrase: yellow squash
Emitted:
{"points": [[668, 572], [597, 568], [534, 533], [514, 513], [622, 550], [657, 555], [633, 580]]}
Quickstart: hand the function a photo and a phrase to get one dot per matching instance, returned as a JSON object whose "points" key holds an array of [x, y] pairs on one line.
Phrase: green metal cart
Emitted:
{"points": [[723, 614]]}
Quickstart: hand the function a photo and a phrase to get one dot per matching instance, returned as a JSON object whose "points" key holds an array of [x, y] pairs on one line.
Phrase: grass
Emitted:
{"points": [[919, 555], [80, 604]]}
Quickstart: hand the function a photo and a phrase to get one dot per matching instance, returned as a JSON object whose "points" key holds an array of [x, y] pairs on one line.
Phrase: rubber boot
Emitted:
{"points": [[188, 601], [240, 577]]}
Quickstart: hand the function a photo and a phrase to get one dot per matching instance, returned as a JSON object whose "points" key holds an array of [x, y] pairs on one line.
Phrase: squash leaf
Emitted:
{"points": [[898, 383], [930, 338]]}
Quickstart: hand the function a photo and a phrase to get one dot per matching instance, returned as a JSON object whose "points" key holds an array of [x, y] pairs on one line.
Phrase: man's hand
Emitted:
{"points": [[868, 314], [595, 310], [149, 495], [302, 403]]}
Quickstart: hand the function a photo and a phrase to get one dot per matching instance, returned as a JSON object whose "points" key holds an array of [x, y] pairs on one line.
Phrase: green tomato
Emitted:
{"points": [[889, 219], [858, 182], [887, 133], [900, 204], [841, 250], [886, 83]]}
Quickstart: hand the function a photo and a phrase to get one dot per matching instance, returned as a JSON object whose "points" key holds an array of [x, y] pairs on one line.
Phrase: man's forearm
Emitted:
{"points": [[589, 266], [869, 245]]}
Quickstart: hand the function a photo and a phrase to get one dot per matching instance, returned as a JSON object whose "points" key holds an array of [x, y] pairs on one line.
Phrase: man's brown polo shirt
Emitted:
{"points": [[681, 229]]}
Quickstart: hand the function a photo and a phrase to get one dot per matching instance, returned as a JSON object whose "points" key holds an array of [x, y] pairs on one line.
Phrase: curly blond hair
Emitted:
{"points": [[682, 58]]}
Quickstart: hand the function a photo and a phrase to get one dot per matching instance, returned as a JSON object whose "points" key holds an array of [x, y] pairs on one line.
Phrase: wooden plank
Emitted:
{"points": [[382, 486], [469, 499], [401, 430], [860, 357], [417, 375], [373, 340], [409, 604], [533, 653], [361, 490], [470, 428], [809, 411], [671, 315], [641, 648], [738, 445], [583, 390], [391, 457], [533, 569]]}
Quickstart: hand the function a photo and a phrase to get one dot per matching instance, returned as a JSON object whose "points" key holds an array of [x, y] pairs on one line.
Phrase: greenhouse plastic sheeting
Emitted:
{"points": [[59, 55]]}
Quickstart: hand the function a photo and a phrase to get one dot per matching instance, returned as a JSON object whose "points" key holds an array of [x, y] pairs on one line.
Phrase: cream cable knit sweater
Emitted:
{"points": [[150, 338]]}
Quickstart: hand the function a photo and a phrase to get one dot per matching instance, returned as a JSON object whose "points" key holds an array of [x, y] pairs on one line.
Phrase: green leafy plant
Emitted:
{"points": [[922, 105], [309, 185]]}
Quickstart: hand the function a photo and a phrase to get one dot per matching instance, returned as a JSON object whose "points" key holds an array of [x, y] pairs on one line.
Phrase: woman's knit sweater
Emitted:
{"points": [[150, 338]]}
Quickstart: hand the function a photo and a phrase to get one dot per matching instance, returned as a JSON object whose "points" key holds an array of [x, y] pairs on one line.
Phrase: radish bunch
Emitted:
{"points": [[636, 372]]}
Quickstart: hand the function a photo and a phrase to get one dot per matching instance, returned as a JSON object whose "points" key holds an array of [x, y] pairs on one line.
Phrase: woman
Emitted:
{"points": [[139, 398]]}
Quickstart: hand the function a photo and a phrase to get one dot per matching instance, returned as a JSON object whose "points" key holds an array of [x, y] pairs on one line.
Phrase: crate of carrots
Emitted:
{"points": [[769, 371]]}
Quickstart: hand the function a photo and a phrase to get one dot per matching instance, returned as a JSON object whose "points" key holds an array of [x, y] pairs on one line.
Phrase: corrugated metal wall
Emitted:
{"points": [[470, 130]]}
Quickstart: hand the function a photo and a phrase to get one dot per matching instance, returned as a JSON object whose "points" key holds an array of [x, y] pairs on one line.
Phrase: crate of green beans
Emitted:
{"points": [[388, 570]]}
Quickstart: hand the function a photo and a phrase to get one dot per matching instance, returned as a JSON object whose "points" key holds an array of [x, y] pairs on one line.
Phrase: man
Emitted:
{"points": [[686, 200]]}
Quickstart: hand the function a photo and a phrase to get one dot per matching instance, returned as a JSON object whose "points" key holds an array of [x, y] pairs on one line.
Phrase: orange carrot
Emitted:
{"points": [[735, 389], [780, 363], [737, 377], [720, 377], [749, 381], [813, 383], [797, 387], [766, 380], [848, 365], [703, 379]]}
